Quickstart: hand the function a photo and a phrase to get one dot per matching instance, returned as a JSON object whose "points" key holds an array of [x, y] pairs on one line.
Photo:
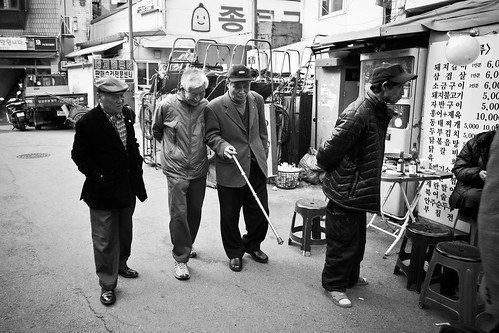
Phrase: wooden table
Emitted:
{"points": [[400, 222]]}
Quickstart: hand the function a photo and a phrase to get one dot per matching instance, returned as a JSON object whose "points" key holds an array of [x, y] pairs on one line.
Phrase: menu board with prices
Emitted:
{"points": [[459, 102]]}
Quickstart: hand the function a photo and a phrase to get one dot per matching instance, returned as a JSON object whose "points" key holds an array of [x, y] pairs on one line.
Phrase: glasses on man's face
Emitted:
{"points": [[195, 93], [241, 85]]}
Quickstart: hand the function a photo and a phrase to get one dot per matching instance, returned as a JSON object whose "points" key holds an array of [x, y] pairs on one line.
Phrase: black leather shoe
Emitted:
{"points": [[259, 256], [236, 264], [128, 273], [107, 297]]}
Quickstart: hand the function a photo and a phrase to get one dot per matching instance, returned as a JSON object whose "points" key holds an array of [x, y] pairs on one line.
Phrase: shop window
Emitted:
{"points": [[329, 7], [13, 4], [145, 72], [141, 73]]}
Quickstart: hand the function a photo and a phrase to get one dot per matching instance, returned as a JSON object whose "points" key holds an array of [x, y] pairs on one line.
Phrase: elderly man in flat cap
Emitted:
{"points": [[352, 159], [235, 124], [107, 153]]}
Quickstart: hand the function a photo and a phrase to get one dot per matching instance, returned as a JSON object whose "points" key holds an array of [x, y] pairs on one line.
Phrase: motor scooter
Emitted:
{"points": [[16, 113]]}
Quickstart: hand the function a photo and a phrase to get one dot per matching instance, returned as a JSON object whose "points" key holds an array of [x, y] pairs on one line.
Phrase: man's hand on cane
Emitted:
{"points": [[229, 152]]}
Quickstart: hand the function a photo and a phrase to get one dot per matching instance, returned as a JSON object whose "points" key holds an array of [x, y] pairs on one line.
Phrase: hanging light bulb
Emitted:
{"points": [[462, 50]]}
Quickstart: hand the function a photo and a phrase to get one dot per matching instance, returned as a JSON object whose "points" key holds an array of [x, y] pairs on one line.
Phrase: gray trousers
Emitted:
{"points": [[112, 242], [185, 199]]}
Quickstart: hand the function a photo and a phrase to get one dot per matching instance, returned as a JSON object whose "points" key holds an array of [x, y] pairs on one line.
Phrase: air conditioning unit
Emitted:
{"points": [[66, 25]]}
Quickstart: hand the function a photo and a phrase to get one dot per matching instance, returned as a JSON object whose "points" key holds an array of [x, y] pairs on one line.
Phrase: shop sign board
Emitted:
{"points": [[13, 44], [45, 44], [119, 68], [459, 102], [224, 20]]}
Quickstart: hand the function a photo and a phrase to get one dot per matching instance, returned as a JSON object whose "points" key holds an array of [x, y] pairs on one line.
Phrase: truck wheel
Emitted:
{"points": [[38, 127]]}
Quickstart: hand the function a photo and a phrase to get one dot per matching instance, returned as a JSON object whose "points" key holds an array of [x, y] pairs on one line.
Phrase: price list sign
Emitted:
{"points": [[459, 102]]}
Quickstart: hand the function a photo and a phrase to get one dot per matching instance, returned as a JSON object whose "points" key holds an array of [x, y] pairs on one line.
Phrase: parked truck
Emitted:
{"points": [[49, 101]]}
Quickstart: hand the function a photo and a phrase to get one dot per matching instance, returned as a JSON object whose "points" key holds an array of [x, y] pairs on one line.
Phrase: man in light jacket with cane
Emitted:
{"points": [[235, 124]]}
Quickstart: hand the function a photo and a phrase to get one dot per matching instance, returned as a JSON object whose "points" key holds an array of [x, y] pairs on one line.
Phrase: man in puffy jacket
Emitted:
{"points": [[179, 124], [352, 159], [470, 170]]}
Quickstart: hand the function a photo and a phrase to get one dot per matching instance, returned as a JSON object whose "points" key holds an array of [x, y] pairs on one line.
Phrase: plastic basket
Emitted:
{"points": [[287, 179]]}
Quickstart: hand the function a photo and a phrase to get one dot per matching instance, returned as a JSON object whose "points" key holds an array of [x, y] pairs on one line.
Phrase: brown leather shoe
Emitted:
{"points": [[236, 264], [128, 273]]}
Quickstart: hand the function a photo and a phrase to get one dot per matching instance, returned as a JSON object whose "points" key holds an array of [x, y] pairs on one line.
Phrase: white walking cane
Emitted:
{"points": [[279, 239]]}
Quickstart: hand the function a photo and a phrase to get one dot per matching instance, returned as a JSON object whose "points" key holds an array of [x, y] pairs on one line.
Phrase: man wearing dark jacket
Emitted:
{"points": [[107, 153], [179, 125], [352, 159], [470, 170]]}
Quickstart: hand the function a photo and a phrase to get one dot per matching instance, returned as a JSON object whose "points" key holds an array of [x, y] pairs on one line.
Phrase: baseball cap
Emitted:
{"points": [[239, 73], [111, 85], [391, 72]]}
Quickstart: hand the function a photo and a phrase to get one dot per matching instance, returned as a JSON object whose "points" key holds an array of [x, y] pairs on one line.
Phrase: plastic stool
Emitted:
{"points": [[311, 211], [472, 221], [465, 259], [424, 236]]}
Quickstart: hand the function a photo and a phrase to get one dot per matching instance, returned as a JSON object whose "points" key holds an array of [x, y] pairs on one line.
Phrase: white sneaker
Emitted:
{"points": [[181, 271], [340, 299]]}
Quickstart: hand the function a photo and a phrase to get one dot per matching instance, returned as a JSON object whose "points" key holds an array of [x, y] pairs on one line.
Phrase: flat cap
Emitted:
{"points": [[239, 73], [111, 85], [391, 72]]}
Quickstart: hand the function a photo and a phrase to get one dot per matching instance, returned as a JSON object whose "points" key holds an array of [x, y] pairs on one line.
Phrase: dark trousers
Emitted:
{"points": [[471, 201], [185, 199], [231, 200], [112, 242], [346, 241]]}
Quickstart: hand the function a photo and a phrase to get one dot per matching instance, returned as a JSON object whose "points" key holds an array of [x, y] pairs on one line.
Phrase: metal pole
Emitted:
{"points": [[130, 28], [255, 19]]}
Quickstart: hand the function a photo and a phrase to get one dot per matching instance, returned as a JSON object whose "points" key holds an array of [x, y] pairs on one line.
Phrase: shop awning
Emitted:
{"points": [[457, 16], [94, 49]]}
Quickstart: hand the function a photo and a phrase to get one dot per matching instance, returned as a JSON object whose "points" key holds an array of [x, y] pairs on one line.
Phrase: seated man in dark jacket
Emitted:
{"points": [[352, 159], [470, 170]]}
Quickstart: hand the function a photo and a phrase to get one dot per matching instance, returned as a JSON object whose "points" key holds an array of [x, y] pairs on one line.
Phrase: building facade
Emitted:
{"points": [[34, 35]]}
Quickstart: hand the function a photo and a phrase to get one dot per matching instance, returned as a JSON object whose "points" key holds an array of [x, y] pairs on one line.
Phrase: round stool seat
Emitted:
{"points": [[424, 236], [428, 229], [459, 251], [310, 205]]}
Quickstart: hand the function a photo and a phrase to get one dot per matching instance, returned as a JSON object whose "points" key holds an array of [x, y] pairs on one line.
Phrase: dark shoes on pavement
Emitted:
{"points": [[258, 256], [236, 264], [128, 273], [107, 297]]}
